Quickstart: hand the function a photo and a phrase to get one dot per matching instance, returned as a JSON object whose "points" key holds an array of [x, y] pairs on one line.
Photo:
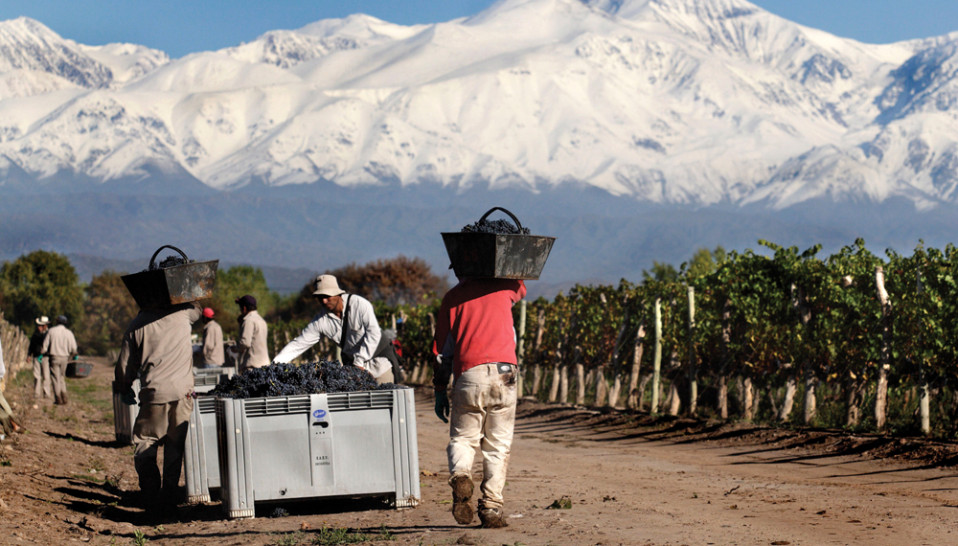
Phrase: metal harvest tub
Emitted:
{"points": [[160, 287], [495, 255]]}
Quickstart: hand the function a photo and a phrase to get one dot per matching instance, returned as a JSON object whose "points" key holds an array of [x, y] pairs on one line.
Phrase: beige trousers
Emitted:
{"points": [[42, 385], [483, 415], [58, 369], [155, 424]]}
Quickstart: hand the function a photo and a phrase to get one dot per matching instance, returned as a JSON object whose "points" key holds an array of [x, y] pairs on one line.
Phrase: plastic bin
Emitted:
{"points": [[124, 414], [184, 283], [206, 379], [319, 445], [201, 465], [497, 256]]}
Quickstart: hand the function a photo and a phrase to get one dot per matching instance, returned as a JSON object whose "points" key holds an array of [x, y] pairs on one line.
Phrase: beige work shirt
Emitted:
{"points": [[253, 352], [157, 349], [59, 342], [213, 344]]}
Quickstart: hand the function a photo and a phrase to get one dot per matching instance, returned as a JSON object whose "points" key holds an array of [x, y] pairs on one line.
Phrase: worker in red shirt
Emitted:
{"points": [[475, 342]]}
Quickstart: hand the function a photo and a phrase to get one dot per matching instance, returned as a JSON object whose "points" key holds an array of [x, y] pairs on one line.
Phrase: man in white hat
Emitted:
{"points": [[42, 386], [349, 321]]}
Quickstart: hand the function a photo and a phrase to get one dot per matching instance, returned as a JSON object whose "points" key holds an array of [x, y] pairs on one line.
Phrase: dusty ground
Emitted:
{"points": [[628, 479]]}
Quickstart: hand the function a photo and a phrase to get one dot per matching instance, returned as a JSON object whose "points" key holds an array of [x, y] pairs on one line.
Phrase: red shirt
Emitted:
{"points": [[476, 316]]}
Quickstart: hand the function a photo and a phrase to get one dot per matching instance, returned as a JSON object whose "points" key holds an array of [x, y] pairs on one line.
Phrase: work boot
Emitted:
{"points": [[492, 518], [462, 488], [63, 399]]}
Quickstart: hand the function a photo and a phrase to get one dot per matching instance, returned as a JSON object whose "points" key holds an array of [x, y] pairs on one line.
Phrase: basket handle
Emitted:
{"points": [[155, 254], [513, 216]]}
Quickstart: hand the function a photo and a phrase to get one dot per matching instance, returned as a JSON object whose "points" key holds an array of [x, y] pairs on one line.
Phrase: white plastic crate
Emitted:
{"points": [[201, 465], [206, 379], [320, 445]]}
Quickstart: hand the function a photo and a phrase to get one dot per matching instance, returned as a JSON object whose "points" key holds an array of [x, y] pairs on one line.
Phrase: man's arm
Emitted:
{"points": [[310, 336], [128, 363]]}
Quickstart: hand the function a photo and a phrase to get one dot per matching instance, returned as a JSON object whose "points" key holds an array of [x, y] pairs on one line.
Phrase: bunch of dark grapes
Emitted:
{"points": [[289, 380], [169, 261], [497, 227]]}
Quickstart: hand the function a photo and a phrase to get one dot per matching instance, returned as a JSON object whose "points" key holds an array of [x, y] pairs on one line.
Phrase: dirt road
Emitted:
{"points": [[625, 479]]}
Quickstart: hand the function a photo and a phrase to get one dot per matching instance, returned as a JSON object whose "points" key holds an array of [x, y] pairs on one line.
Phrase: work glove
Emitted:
{"points": [[442, 406], [128, 397], [40, 358]]}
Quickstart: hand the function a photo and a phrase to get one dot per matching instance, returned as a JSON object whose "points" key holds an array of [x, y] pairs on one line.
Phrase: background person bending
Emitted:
{"points": [[358, 334]]}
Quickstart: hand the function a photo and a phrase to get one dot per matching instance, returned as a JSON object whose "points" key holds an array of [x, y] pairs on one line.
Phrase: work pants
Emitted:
{"points": [[42, 383], [483, 415], [58, 369], [155, 424]]}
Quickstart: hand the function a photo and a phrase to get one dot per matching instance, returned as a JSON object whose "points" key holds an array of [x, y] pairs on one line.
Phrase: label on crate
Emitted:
{"points": [[321, 441]]}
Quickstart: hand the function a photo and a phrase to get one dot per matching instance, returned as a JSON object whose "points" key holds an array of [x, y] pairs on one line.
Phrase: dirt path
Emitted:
{"points": [[628, 482]]}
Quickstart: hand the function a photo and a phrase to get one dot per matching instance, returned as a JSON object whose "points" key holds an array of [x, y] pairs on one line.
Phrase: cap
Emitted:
{"points": [[43, 321], [61, 319], [326, 285], [207, 312], [247, 301]]}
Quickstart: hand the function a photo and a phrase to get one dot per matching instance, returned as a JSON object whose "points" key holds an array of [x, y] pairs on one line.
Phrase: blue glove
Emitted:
{"points": [[128, 397], [442, 406]]}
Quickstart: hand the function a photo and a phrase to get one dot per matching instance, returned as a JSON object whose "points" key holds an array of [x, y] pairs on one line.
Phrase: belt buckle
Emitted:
{"points": [[504, 367]]}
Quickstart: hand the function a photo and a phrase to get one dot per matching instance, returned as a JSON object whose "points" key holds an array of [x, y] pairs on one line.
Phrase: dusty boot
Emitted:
{"points": [[492, 518], [63, 399], [462, 489]]}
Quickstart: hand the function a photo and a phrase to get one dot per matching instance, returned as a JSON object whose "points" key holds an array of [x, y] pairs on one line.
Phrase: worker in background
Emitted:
{"points": [[348, 320], [212, 341], [7, 423], [42, 383], [251, 343], [60, 346], [475, 329], [157, 345]]}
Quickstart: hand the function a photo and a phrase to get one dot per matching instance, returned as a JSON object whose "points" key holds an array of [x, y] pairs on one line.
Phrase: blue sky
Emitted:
{"points": [[179, 27]]}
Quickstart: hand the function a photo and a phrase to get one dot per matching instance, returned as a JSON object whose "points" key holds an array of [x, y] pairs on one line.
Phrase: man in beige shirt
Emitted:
{"points": [[212, 341], [157, 349], [60, 345], [252, 336]]}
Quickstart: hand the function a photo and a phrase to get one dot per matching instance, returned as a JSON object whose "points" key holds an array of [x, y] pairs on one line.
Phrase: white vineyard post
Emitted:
{"points": [[923, 390], [657, 356], [520, 347], [881, 394], [632, 402], [693, 382]]}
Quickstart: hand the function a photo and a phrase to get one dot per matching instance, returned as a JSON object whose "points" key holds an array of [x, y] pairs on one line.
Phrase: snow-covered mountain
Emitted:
{"points": [[695, 102]]}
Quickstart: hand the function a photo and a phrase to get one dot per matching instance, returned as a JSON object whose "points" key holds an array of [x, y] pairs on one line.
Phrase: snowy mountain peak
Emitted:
{"points": [[669, 101]]}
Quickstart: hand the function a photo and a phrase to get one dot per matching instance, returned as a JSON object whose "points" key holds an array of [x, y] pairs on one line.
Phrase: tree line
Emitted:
{"points": [[44, 283]]}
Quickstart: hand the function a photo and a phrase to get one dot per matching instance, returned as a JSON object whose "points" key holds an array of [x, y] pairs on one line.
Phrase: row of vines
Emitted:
{"points": [[850, 340]]}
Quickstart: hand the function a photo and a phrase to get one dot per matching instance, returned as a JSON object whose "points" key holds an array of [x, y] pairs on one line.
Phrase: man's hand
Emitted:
{"points": [[442, 406], [128, 397]]}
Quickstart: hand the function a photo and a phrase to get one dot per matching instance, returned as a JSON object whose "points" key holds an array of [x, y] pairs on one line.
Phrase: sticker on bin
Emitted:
{"points": [[321, 441]]}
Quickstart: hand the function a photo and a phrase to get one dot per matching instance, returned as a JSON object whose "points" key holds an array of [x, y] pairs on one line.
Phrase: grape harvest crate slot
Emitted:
{"points": [[346, 444]]}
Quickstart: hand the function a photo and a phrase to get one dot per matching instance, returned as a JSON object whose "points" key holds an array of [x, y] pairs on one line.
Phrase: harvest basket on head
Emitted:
{"points": [[172, 281], [497, 249]]}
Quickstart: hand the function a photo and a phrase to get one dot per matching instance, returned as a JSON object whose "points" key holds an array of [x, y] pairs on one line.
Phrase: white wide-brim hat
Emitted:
{"points": [[326, 285]]}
